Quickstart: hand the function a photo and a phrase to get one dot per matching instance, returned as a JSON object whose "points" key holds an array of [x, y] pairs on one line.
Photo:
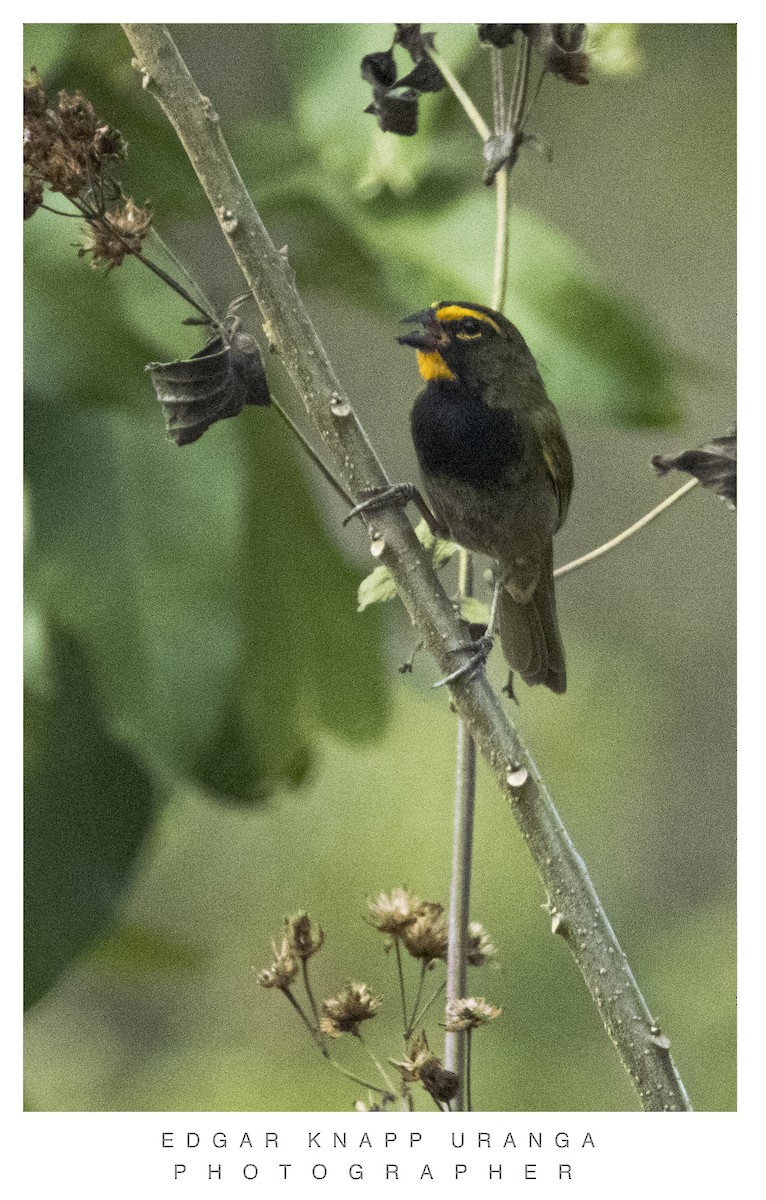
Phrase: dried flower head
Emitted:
{"points": [[438, 1082], [393, 912], [345, 1012], [469, 1013], [563, 51], [416, 1055], [33, 194], [426, 937], [35, 98], [118, 234], [480, 949], [283, 970], [67, 147], [714, 464], [304, 937]]}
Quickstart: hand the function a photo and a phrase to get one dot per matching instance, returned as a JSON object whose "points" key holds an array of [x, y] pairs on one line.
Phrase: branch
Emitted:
{"points": [[626, 533], [572, 901]]}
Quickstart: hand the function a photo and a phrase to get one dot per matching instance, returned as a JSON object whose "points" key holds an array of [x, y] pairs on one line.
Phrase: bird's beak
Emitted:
{"points": [[430, 337]]}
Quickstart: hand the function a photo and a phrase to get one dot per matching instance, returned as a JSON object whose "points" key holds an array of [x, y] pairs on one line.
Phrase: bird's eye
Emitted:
{"points": [[469, 328]]}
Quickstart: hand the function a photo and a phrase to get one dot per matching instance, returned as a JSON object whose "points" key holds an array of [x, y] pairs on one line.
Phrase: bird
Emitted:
{"points": [[497, 469], [497, 472]]}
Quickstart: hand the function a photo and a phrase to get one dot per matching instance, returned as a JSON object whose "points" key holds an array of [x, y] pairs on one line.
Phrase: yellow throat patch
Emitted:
{"points": [[432, 366]]}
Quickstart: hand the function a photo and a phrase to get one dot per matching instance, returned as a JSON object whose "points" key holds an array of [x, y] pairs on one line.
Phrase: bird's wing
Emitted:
{"points": [[556, 456]]}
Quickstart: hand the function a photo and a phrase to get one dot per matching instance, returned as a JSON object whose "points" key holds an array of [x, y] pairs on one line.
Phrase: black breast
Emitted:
{"points": [[457, 435]]}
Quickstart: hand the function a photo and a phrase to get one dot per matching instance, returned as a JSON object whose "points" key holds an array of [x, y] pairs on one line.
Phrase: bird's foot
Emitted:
{"points": [[481, 649], [398, 493]]}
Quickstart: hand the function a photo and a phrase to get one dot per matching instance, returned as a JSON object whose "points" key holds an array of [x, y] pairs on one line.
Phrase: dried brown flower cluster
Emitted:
{"points": [[345, 1011], [421, 926], [469, 1013], [69, 150], [120, 232], [420, 1065], [283, 969]]}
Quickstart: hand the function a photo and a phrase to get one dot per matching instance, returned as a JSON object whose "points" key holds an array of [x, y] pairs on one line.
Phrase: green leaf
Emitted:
{"points": [[474, 611], [379, 586], [45, 46], [375, 588], [596, 352], [133, 951], [88, 805]]}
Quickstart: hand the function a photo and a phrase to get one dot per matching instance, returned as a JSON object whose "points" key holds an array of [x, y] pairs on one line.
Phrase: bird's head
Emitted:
{"points": [[463, 341]]}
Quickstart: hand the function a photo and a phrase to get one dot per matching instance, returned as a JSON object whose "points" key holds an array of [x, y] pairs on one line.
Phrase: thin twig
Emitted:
{"points": [[383, 1073], [498, 89], [461, 95], [356, 1078], [502, 235], [419, 1016], [516, 113], [315, 458], [315, 1034], [626, 533], [309, 993], [95, 218], [468, 1098], [155, 235], [400, 973], [578, 915], [411, 1025]]}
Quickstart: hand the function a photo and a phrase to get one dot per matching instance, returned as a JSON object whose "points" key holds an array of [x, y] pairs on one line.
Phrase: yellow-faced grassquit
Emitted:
{"points": [[497, 469]]}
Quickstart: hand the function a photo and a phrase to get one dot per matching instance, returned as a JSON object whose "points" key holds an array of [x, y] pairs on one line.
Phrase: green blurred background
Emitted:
{"points": [[215, 736]]}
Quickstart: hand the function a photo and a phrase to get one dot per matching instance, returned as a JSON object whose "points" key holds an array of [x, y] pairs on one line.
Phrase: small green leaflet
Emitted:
{"points": [[378, 586]]}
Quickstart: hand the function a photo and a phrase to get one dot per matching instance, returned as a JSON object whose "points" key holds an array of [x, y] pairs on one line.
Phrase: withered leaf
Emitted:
{"points": [[379, 69], [562, 47], [714, 464], [397, 112], [563, 51], [216, 382], [501, 36], [414, 41], [395, 101], [425, 76]]}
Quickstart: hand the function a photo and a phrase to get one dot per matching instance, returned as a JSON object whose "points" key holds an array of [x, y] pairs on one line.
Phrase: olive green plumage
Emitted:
{"points": [[496, 467]]}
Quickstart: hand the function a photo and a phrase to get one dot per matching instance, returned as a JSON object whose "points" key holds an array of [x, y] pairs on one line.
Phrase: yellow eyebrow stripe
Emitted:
{"points": [[454, 312]]}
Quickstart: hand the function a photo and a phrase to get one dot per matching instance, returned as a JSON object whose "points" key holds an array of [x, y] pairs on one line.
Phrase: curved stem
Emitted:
{"points": [[309, 993], [502, 238], [378, 1065], [498, 90], [516, 114], [400, 973], [357, 1079], [469, 1101], [315, 458], [411, 1026], [155, 235], [315, 1034], [461, 95], [626, 533], [418, 1017]]}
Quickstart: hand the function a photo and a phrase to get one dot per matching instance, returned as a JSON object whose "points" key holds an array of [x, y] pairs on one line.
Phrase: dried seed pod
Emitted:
{"points": [[213, 384]]}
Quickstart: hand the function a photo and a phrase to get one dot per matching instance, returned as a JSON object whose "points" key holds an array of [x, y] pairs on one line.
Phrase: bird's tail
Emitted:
{"points": [[529, 633]]}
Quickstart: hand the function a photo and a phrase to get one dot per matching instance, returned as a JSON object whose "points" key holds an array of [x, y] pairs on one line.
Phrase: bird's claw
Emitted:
{"points": [[397, 493], [481, 649]]}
